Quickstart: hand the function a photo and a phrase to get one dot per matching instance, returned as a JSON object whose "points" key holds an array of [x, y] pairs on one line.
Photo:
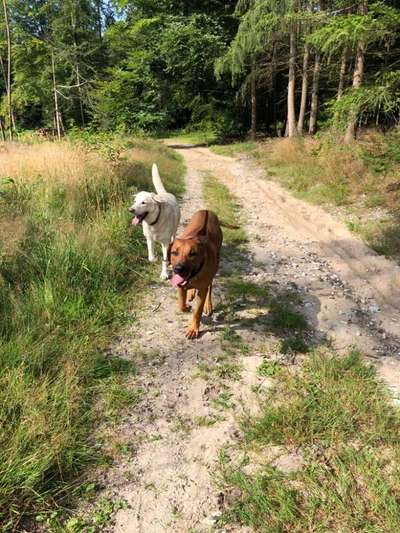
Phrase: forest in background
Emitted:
{"points": [[144, 66]]}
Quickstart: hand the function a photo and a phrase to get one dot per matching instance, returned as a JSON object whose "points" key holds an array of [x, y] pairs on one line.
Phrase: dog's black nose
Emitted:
{"points": [[180, 268]]}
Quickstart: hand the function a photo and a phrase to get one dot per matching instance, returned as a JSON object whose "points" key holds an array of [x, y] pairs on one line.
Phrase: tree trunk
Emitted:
{"points": [[253, 89], [273, 90], [99, 24], [304, 88], [2, 134], [291, 111], [342, 74], [3, 72], [314, 95], [9, 59], [358, 75], [78, 77], [78, 81], [56, 110]]}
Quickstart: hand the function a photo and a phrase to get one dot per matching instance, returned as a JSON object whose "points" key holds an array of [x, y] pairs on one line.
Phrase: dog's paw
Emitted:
{"points": [[208, 310], [185, 309], [192, 333], [164, 275], [152, 259]]}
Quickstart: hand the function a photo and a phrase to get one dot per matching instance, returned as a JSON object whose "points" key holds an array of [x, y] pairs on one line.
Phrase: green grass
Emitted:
{"points": [[277, 312], [224, 400], [268, 368], [336, 413], [238, 287], [382, 235], [98, 518], [190, 137], [285, 316], [207, 421], [220, 200], [70, 267], [234, 149]]}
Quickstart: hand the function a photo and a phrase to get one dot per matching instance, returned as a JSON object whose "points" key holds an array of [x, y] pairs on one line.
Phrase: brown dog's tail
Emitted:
{"points": [[226, 225]]}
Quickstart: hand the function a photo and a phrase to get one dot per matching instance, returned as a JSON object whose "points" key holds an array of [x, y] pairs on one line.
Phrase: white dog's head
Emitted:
{"points": [[145, 205]]}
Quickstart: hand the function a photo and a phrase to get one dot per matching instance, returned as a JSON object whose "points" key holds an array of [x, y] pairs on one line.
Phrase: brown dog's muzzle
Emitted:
{"points": [[182, 269]]}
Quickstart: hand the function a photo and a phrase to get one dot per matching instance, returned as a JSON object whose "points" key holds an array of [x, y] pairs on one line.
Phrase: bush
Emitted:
{"points": [[221, 123]]}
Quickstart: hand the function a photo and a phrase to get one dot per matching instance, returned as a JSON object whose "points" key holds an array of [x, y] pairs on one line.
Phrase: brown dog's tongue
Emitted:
{"points": [[176, 280], [136, 221]]}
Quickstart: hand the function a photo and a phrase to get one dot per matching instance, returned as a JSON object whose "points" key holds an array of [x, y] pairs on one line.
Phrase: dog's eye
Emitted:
{"points": [[192, 253], [175, 252], [143, 203]]}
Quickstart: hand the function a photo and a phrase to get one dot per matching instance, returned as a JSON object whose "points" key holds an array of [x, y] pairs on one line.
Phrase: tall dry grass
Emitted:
{"points": [[56, 162], [363, 176], [68, 260], [323, 169]]}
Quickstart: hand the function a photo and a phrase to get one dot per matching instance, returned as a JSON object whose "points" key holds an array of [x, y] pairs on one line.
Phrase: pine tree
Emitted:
{"points": [[357, 28], [9, 66]]}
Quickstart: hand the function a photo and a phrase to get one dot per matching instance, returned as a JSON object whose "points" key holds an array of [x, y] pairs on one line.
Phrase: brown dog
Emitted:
{"points": [[195, 259]]}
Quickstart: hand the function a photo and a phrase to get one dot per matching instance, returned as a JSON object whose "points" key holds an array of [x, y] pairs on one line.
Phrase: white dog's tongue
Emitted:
{"points": [[176, 280], [136, 221]]}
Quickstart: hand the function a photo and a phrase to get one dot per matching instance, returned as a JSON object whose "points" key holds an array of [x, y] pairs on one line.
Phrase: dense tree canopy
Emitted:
{"points": [[145, 65]]}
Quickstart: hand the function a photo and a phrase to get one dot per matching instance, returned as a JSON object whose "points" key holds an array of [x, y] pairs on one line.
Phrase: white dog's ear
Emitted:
{"points": [[156, 198]]}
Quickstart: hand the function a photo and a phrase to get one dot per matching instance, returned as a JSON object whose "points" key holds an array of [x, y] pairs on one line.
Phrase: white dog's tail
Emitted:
{"points": [[158, 184]]}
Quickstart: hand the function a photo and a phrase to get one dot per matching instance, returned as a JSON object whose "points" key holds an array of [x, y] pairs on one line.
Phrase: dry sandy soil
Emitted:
{"points": [[350, 295]]}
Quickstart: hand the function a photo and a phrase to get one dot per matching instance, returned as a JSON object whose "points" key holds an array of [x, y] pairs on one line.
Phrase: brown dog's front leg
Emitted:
{"points": [[208, 307], [191, 294], [182, 300], [193, 330]]}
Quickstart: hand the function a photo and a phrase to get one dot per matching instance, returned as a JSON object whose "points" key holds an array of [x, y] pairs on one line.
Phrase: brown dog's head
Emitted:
{"points": [[187, 259]]}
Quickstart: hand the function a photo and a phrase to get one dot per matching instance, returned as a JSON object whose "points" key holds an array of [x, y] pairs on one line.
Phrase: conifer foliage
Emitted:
{"points": [[267, 66]]}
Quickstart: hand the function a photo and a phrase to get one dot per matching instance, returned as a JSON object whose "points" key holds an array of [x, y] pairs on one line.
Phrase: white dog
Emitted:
{"points": [[160, 215]]}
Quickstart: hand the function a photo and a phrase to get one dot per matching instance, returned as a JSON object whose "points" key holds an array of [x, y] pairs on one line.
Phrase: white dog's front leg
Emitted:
{"points": [[164, 270], [150, 248]]}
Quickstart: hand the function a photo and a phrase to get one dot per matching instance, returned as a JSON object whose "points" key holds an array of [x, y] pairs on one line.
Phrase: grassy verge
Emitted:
{"points": [[219, 199], [233, 149], [361, 178], [332, 421], [190, 137], [69, 263]]}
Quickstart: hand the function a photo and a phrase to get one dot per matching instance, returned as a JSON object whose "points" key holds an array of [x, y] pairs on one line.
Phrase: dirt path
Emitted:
{"points": [[181, 426], [353, 294], [188, 412]]}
